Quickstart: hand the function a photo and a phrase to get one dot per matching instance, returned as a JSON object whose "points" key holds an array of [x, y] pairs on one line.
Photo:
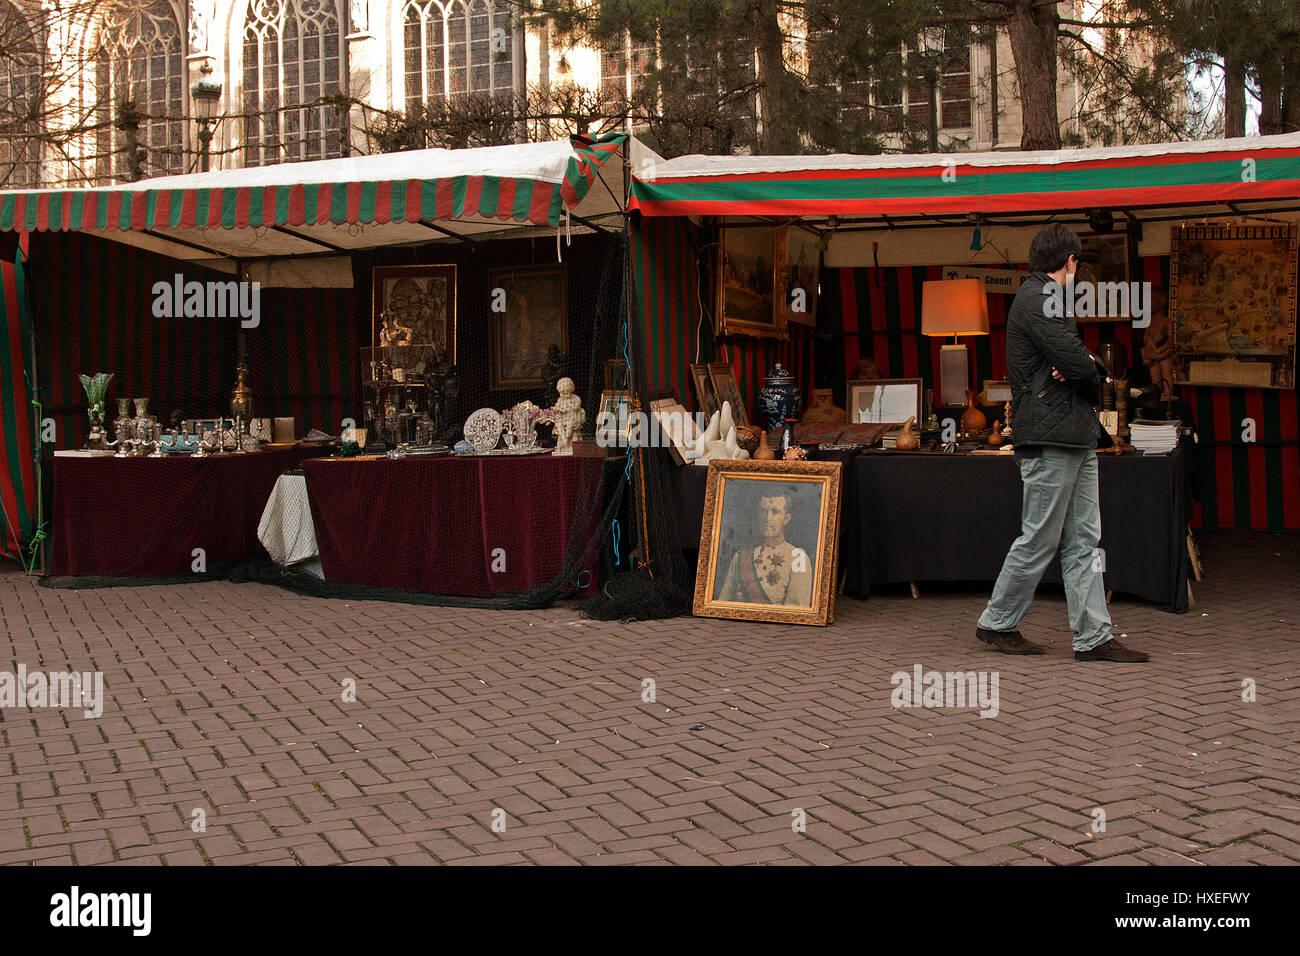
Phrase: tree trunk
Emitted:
{"points": [[778, 102], [1032, 28], [1270, 96], [1234, 96]]}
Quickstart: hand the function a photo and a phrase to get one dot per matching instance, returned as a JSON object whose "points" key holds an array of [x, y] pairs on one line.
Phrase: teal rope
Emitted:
{"points": [[40, 534]]}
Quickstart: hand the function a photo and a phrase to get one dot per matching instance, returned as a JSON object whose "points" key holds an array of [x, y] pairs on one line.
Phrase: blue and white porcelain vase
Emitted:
{"points": [[778, 398]]}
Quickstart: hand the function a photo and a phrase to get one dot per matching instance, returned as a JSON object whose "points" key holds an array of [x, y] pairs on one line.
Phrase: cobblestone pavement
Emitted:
{"points": [[227, 699]]}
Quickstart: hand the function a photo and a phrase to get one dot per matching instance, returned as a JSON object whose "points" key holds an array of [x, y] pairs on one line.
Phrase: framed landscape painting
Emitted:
{"points": [[535, 318]]}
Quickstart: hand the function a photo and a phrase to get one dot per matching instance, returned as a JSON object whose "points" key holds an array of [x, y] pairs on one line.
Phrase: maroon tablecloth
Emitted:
{"points": [[143, 517], [465, 526]]}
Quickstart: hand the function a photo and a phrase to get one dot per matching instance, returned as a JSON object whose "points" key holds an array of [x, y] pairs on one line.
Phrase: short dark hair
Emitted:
{"points": [[785, 492], [1053, 245]]}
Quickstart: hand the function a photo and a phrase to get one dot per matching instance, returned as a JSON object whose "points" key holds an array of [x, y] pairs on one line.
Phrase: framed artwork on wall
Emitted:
{"points": [[747, 283], [799, 265], [1104, 259], [414, 306], [535, 318], [1232, 305]]}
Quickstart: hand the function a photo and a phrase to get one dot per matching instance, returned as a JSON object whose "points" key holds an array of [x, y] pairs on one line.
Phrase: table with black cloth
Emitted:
{"points": [[143, 517], [436, 524], [935, 517]]}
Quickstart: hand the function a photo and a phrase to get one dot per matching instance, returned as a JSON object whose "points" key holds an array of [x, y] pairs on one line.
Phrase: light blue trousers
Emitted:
{"points": [[1060, 508]]}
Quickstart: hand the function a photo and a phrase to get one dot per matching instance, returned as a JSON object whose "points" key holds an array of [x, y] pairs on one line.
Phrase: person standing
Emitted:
{"points": [[1055, 386]]}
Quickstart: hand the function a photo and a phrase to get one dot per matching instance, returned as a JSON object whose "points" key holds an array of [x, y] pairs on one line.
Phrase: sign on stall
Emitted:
{"points": [[1006, 281]]}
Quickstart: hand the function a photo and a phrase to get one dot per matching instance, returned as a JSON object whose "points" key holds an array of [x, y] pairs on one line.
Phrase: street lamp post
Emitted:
{"points": [[207, 95], [930, 54]]}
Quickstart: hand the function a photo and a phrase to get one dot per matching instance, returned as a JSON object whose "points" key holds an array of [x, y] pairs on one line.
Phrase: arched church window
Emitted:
{"points": [[23, 98], [454, 47], [140, 91], [293, 62]]}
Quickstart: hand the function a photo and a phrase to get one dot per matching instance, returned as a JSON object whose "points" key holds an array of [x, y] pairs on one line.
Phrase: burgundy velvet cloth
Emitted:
{"points": [[435, 524], [143, 517]]}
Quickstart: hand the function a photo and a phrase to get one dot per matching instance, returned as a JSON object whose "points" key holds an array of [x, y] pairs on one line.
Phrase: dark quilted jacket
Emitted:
{"points": [[1043, 410]]}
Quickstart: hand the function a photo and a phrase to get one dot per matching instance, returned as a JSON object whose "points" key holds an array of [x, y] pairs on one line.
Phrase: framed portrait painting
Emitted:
{"points": [[747, 283], [415, 306], [706, 395], [535, 318], [769, 541]]}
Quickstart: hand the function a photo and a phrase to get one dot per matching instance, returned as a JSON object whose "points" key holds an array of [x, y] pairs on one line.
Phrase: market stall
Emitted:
{"points": [[397, 298], [863, 241]]}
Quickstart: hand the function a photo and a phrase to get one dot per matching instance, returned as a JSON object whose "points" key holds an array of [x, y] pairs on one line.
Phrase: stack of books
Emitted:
{"points": [[1154, 437]]}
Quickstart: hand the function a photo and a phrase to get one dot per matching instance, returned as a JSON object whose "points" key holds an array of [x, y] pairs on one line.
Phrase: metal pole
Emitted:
{"points": [[40, 458], [932, 77]]}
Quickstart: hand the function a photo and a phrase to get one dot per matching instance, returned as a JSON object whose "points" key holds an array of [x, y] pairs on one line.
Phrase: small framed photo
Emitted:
{"points": [[615, 409], [769, 541], [706, 396], [883, 401], [726, 388]]}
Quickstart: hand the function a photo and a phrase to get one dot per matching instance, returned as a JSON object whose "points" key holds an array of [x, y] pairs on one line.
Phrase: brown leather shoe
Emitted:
{"points": [[1008, 642], [1112, 650]]}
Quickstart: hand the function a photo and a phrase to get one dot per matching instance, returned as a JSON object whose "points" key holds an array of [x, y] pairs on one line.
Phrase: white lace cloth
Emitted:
{"points": [[286, 529]]}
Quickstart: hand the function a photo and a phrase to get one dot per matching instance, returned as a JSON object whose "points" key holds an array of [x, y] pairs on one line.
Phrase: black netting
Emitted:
{"points": [[95, 307]]}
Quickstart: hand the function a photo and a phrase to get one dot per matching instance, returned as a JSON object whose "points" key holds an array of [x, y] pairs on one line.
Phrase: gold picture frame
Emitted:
{"points": [[740, 574], [747, 284], [421, 306], [1232, 305], [799, 258], [535, 317], [1106, 257]]}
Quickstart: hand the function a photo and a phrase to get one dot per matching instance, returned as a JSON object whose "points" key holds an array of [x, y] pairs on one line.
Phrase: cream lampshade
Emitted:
{"points": [[954, 307]]}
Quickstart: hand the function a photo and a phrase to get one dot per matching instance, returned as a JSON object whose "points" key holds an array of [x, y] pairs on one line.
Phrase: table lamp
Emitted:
{"points": [[954, 307]]}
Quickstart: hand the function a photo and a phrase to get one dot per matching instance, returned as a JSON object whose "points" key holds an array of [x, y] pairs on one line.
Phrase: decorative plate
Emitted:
{"points": [[483, 429]]}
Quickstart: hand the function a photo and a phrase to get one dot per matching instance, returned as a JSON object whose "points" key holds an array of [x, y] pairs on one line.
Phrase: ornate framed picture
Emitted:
{"points": [[769, 541], [799, 266], [723, 377], [747, 283], [535, 318], [414, 306], [1232, 305], [706, 396]]}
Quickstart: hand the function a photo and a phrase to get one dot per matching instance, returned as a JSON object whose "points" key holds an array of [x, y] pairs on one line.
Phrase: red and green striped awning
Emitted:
{"points": [[525, 184], [1175, 174]]}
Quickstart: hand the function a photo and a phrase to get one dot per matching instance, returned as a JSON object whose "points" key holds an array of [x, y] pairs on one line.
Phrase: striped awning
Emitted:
{"points": [[341, 204], [1171, 174]]}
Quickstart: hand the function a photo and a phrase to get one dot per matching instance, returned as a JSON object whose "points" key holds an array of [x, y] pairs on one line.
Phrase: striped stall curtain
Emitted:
{"points": [[302, 356], [671, 270], [17, 472]]}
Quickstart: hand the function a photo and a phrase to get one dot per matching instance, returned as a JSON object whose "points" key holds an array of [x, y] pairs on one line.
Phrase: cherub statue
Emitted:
{"points": [[569, 416], [1158, 345]]}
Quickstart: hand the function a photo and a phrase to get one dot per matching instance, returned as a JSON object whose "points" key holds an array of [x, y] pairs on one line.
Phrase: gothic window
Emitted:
{"points": [[140, 92], [21, 98], [455, 47], [293, 58], [956, 89]]}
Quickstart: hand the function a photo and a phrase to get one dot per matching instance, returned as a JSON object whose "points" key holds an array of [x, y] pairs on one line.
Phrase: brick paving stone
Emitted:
{"points": [[461, 711]]}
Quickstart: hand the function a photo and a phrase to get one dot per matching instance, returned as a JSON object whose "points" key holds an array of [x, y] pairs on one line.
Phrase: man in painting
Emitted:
{"points": [[773, 571]]}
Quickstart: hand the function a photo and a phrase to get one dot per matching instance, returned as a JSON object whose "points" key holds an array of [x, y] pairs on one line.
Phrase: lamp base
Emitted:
{"points": [[954, 375]]}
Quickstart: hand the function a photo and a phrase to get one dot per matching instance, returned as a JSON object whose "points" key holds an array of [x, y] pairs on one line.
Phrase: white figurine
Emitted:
{"points": [[569, 416]]}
